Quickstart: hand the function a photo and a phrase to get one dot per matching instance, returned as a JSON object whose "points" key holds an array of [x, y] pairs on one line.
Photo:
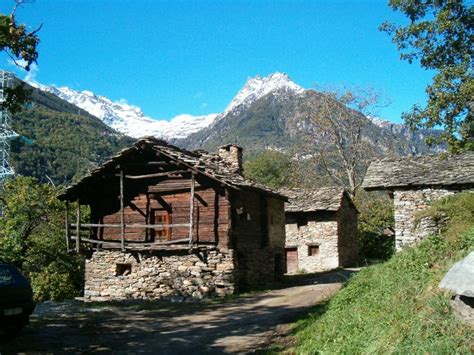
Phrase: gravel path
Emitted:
{"points": [[242, 325]]}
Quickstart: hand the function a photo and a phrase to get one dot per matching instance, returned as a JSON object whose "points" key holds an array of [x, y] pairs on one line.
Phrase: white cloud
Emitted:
{"points": [[31, 75], [20, 64]]}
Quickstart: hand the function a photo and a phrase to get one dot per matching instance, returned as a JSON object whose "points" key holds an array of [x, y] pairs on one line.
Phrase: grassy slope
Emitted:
{"points": [[396, 307]]}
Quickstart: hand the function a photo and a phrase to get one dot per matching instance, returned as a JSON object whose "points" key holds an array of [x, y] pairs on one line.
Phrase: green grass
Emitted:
{"points": [[396, 306]]}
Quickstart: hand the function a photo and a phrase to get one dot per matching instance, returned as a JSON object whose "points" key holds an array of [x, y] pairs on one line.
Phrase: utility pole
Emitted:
{"points": [[6, 133]]}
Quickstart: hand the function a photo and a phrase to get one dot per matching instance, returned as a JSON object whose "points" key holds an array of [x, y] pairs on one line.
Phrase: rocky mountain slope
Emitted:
{"points": [[275, 113], [129, 119], [266, 113], [65, 137]]}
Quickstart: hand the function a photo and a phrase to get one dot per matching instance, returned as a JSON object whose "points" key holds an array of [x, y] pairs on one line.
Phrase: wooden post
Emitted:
{"points": [[122, 213], [78, 227], [191, 210], [67, 226]]}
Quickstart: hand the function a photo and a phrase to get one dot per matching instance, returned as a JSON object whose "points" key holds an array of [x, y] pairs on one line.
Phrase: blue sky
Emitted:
{"points": [[172, 57]]}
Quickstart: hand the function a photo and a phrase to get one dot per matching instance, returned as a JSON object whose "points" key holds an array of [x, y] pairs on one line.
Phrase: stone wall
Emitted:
{"points": [[348, 238], [259, 236], [314, 229], [159, 275], [406, 204]]}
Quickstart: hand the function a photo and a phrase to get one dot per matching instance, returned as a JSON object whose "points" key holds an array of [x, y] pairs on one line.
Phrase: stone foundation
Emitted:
{"points": [[259, 268], [115, 275]]}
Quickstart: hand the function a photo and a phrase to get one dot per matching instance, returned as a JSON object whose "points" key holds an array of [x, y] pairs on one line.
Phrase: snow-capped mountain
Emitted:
{"points": [[257, 87], [131, 120]]}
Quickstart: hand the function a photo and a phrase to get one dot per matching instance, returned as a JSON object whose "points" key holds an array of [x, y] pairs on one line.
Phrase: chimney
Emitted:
{"points": [[232, 153]]}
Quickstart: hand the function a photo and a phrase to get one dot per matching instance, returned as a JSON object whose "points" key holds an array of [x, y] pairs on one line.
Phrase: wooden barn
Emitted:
{"points": [[167, 222], [321, 230]]}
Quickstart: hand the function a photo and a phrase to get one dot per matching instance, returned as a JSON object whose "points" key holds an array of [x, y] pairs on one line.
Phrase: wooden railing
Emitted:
{"points": [[123, 226], [78, 238]]}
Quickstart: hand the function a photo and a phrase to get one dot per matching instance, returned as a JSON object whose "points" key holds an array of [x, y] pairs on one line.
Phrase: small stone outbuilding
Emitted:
{"points": [[170, 223], [414, 183], [321, 230]]}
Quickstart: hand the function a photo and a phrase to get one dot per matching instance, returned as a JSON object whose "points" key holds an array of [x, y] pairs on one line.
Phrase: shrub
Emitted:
{"points": [[375, 216], [32, 238]]}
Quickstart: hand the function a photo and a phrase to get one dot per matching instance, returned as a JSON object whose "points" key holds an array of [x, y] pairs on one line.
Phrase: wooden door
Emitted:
{"points": [[160, 216], [291, 258]]}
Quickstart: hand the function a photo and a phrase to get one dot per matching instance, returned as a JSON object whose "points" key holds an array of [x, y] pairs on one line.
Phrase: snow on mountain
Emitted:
{"points": [[258, 87], [131, 120]]}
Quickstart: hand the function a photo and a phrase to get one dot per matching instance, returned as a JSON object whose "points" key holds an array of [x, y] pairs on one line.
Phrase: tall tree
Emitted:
{"points": [[440, 35], [340, 122]]}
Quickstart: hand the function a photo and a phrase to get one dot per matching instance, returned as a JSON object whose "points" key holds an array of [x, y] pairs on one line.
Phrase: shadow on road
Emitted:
{"points": [[157, 327]]}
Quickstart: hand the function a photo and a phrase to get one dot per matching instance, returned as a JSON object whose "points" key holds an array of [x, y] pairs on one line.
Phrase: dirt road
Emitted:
{"points": [[238, 326]]}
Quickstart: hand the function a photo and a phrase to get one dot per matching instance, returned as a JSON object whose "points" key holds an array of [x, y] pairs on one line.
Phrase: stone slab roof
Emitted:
{"points": [[311, 200], [428, 170], [211, 165]]}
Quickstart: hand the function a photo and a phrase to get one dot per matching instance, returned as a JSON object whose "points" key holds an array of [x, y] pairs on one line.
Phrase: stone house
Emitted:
{"points": [[166, 222], [414, 183], [321, 230]]}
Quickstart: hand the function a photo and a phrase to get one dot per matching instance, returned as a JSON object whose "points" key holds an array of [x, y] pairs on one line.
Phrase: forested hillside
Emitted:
{"points": [[59, 145]]}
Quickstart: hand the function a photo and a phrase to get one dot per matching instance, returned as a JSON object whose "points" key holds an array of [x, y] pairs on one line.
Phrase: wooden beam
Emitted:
{"points": [[78, 227], [119, 244], [191, 211], [174, 184], [122, 213], [148, 163], [67, 226], [150, 226], [148, 176]]}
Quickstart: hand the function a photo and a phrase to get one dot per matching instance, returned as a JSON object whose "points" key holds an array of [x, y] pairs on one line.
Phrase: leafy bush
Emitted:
{"points": [[396, 306], [271, 168], [375, 216], [32, 238]]}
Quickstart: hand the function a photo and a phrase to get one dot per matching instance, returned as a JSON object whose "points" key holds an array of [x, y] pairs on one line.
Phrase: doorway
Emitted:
{"points": [[291, 259]]}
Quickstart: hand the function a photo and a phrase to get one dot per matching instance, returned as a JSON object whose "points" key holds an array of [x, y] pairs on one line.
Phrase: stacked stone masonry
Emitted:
{"points": [[407, 203], [112, 274], [314, 233]]}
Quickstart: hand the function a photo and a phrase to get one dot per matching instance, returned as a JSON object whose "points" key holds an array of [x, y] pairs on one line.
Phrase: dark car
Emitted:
{"points": [[16, 299]]}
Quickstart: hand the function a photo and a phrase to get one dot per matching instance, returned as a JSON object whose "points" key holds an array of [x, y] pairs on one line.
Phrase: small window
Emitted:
{"points": [[161, 216], [123, 269], [313, 250]]}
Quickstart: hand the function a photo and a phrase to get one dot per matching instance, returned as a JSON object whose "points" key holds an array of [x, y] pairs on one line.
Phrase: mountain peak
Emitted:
{"points": [[131, 120], [258, 87]]}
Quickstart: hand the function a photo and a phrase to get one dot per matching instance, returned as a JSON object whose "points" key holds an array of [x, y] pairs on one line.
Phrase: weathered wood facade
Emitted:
{"points": [[321, 230], [159, 201]]}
